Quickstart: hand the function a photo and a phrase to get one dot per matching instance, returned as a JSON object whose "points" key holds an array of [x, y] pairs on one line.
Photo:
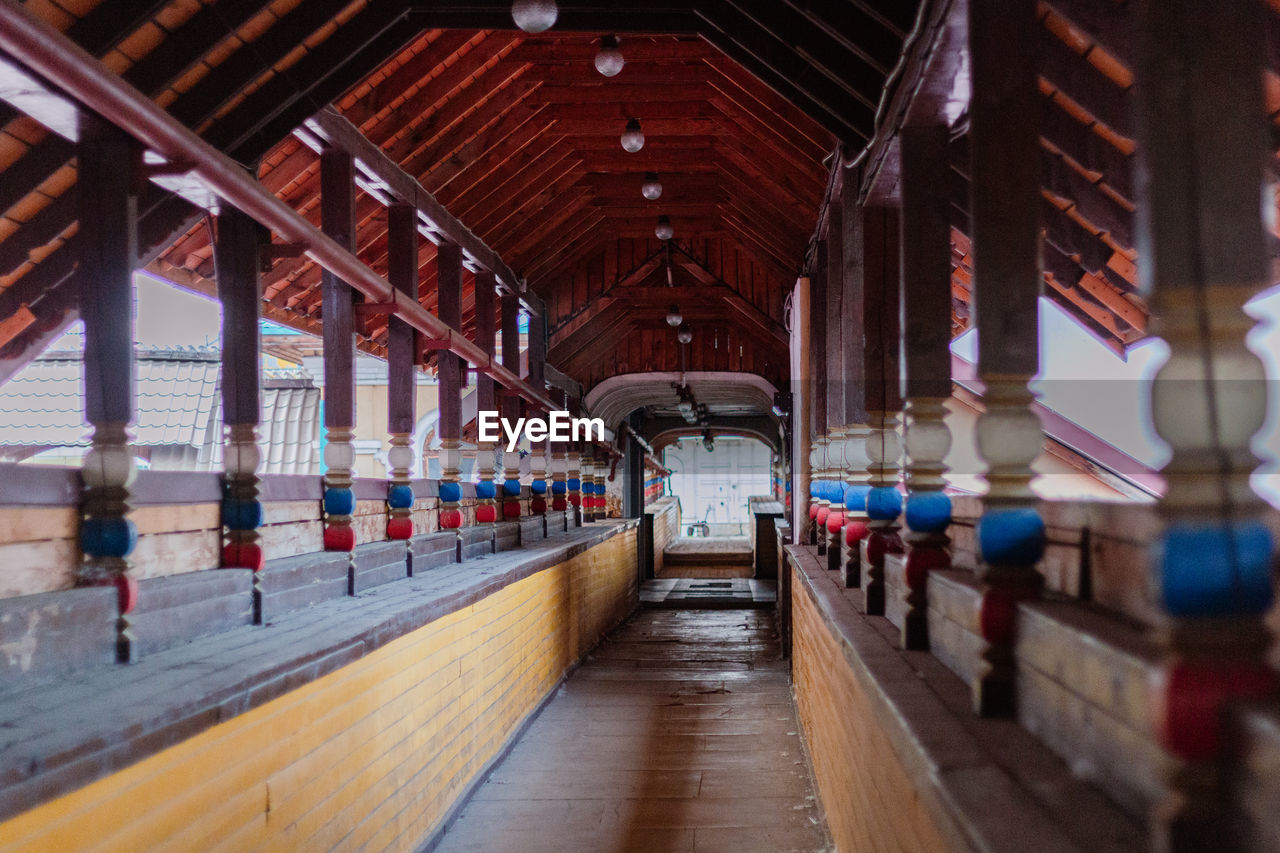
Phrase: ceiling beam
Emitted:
{"points": [[441, 225]]}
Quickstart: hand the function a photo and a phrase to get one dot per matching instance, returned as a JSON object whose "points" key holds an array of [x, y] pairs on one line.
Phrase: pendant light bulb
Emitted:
{"points": [[652, 187], [534, 16], [663, 229], [684, 334], [609, 59], [632, 137], [674, 317]]}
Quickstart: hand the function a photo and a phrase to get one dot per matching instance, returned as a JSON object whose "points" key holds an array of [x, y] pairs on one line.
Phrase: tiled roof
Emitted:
{"points": [[177, 392], [179, 406]]}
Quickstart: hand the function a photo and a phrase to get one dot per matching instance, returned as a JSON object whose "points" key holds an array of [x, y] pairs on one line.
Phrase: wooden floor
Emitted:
{"points": [[678, 733], [700, 593]]}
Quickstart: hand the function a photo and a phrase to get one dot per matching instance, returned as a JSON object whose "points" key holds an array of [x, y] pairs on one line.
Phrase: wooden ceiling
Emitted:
{"points": [[517, 135]]}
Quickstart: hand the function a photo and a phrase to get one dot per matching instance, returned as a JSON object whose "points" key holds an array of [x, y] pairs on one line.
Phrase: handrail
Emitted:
{"points": [[64, 63]]}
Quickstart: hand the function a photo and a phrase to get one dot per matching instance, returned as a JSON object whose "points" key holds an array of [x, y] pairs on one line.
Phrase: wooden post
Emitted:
{"points": [[537, 379], [235, 253], [402, 370], [853, 452], [573, 482], [1204, 152], [110, 164], [337, 220], [839, 336], [1005, 186], [881, 311], [586, 473], [926, 364], [821, 482], [559, 463], [449, 369], [511, 406], [486, 398]]}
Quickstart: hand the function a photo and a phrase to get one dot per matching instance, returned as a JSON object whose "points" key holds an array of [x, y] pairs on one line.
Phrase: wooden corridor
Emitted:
{"points": [[677, 733]]}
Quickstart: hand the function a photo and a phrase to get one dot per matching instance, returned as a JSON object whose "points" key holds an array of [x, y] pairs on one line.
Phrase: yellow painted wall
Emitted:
{"points": [[868, 798], [368, 757]]}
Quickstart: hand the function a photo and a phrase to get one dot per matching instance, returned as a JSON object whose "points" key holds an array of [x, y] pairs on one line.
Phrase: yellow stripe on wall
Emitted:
{"points": [[370, 756], [869, 800]]}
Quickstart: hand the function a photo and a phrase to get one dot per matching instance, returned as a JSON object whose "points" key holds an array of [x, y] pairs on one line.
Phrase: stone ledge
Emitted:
{"points": [[59, 737], [990, 784], [1257, 786]]}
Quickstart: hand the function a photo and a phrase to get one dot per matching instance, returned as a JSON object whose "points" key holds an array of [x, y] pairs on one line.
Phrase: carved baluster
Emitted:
{"points": [[538, 478], [486, 484], [822, 481], [574, 482], [1005, 202], [1203, 150], [834, 530], [856, 487], [926, 385], [587, 473], [884, 503]]}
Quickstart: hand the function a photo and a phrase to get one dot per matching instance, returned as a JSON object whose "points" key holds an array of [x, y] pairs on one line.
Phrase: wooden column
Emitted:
{"points": [[926, 364], [839, 336], [573, 481], [1005, 187], [1204, 151], [537, 379], [512, 405], [449, 369], [486, 457], [236, 262], [881, 313], [820, 471], [586, 474], [853, 452], [337, 220], [402, 371], [110, 164], [559, 462]]}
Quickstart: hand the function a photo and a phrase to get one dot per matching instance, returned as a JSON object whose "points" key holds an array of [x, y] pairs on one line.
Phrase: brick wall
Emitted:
{"points": [[666, 526], [372, 755], [869, 799]]}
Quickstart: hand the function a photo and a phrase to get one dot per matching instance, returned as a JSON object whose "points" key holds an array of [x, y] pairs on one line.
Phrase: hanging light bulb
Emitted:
{"points": [[684, 335], [609, 59], [652, 187], [534, 16], [674, 317], [663, 229], [632, 137]]}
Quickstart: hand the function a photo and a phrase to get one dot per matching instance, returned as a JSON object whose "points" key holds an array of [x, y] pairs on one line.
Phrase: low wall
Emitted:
{"points": [[900, 761], [355, 723], [868, 797]]}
